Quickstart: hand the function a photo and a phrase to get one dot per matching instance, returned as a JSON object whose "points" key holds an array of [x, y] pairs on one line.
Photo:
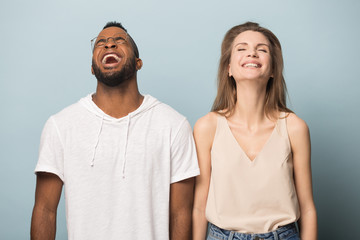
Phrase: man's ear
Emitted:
{"points": [[92, 71], [139, 64]]}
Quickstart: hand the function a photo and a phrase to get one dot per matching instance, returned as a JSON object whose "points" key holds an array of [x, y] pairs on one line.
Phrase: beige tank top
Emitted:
{"points": [[251, 196]]}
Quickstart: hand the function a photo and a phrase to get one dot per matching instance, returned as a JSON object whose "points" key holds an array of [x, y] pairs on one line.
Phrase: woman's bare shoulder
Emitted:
{"points": [[295, 125], [206, 125]]}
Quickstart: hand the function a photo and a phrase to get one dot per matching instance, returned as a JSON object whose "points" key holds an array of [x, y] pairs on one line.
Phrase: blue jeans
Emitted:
{"points": [[288, 232]]}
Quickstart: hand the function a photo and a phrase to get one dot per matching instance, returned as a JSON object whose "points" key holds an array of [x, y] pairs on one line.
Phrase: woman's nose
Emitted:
{"points": [[252, 53]]}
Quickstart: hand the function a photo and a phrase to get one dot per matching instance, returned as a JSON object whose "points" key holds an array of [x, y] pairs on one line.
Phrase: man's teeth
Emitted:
{"points": [[110, 55], [251, 65]]}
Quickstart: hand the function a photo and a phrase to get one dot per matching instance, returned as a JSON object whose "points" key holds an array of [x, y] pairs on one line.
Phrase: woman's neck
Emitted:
{"points": [[250, 105]]}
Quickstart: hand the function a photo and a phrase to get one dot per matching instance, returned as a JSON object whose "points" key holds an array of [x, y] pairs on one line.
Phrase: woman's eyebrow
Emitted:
{"points": [[259, 44]]}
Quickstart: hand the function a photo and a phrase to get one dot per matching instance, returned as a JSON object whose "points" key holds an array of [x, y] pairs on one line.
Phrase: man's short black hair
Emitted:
{"points": [[132, 42], [115, 24]]}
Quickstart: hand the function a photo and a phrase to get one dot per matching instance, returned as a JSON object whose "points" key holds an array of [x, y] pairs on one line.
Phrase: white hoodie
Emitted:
{"points": [[117, 172]]}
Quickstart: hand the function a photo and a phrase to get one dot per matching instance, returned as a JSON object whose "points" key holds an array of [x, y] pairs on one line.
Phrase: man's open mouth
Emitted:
{"points": [[111, 58]]}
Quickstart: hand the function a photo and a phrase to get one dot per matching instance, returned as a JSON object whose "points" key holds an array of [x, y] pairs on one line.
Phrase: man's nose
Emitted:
{"points": [[110, 43]]}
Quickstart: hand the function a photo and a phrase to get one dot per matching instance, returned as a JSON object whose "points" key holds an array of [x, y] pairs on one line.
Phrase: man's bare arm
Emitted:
{"points": [[47, 196], [181, 203]]}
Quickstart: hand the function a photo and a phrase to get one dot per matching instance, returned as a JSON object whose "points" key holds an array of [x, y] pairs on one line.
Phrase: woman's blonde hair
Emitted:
{"points": [[275, 99]]}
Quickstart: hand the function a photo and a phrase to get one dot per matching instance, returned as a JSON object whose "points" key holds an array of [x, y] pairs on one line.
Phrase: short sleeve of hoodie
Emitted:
{"points": [[51, 157], [184, 163]]}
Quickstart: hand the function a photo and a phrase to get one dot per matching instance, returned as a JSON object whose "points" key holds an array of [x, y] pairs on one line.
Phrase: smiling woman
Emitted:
{"points": [[254, 152], [253, 68], [276, 87]]}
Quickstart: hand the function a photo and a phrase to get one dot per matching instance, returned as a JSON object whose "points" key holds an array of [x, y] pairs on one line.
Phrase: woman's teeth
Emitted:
{"points": [[252, 65]]}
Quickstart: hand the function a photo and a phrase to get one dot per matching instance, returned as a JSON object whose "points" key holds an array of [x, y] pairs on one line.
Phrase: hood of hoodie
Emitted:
{"points": [[148, 103]]}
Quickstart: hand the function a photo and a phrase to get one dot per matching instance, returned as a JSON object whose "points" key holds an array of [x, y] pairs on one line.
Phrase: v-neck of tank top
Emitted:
{"points": [[241, 149]]}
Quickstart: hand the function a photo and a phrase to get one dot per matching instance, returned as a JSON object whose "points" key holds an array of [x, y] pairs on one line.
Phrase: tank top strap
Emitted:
{"points": [[221, 121], [220, 127], [221, 124], [281, 124]]}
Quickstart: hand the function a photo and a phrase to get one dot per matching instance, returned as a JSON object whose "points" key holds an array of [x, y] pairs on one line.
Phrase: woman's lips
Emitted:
{"points": [[251, 65]]}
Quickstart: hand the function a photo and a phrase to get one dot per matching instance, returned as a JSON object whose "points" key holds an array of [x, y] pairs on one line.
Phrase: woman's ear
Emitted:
{"points": [[229, 71]]}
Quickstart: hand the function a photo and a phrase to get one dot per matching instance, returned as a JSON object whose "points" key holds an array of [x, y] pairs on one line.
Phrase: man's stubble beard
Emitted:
{"points": [[116, 78]]}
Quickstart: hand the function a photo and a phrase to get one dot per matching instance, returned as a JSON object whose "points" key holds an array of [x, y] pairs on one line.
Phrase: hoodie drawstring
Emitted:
{"points": [[125, 147], [148, 103], [97, 141]]}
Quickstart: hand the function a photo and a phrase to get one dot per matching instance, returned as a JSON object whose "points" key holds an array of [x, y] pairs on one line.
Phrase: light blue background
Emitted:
{"points": [[45, 66]]}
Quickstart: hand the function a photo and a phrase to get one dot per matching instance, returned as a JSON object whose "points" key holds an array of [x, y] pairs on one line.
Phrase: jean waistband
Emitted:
{"points": [[233, 234]]}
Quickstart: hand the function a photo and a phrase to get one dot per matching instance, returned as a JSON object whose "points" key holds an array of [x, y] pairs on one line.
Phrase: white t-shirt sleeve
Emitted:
{"points": [[184, 163], [51, 154]]}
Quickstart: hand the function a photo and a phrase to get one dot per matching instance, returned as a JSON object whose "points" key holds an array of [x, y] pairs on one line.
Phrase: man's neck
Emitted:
{"points": [[118, 101]]}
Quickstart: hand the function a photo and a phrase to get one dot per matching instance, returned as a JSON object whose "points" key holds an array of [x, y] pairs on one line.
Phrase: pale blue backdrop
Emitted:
{"points": [[45, 65]]}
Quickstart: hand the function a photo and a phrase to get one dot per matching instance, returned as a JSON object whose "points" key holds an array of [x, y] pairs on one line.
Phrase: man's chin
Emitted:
{"points": [[110, 74], [112, 77], [106, 68]]}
